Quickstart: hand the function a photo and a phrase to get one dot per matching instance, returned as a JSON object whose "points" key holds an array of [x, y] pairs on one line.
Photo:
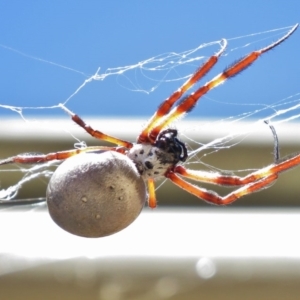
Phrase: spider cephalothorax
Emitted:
{"points": [[153, 161]]}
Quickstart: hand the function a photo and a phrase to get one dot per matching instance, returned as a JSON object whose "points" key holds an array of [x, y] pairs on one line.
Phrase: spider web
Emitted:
{"points": [[146, 77]]}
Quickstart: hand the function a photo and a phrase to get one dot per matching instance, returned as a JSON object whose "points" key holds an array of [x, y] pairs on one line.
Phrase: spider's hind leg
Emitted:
{"points": [[96, 133], [35, 158]]}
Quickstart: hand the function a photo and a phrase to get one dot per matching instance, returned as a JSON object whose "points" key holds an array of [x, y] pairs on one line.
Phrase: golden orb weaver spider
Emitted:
{"points": [[159, 152]]}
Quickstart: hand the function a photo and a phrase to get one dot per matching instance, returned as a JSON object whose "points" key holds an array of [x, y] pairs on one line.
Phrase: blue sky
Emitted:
{"points": [[85, 35]]}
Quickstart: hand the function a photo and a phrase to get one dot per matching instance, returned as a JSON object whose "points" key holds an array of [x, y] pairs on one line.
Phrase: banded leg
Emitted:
{"points": [[219, 179], [213, 197], [34, 158], [190, 101], [250, 183], [166, 105], [96, 133]]}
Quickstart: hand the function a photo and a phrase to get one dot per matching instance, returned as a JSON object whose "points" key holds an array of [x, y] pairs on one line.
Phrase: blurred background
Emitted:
{"points": [[185, 248]]}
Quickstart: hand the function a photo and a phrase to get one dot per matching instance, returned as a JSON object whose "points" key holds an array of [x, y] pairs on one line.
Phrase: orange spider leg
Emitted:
{"points": [[213, 197], [95, 133], [252, 182], [190, 101], [33, 158], [151, 192], [220, 179], [215, 178], [166, 105]]}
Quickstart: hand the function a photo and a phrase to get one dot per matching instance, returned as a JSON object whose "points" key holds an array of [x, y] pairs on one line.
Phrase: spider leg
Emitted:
{"points": [[151, 196], [166, 105], [34, 158], [188, 103], [95, 133], [250, 183], [220, 179], [214, 198]]}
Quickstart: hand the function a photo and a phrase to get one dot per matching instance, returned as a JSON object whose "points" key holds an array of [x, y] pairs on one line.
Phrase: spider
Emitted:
{"points": [[159, 152]]}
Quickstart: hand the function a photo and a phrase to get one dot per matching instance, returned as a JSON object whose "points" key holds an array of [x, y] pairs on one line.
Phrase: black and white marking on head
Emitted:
{"points": [[153, 161]]}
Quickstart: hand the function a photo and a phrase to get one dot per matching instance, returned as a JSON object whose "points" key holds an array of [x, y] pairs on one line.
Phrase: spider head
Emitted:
{"points": [[167, 141]]}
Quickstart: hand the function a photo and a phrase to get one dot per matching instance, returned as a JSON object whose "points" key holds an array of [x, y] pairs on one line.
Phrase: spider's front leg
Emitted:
{"points": [[35, 158], [167, 104], [189, 102]]}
